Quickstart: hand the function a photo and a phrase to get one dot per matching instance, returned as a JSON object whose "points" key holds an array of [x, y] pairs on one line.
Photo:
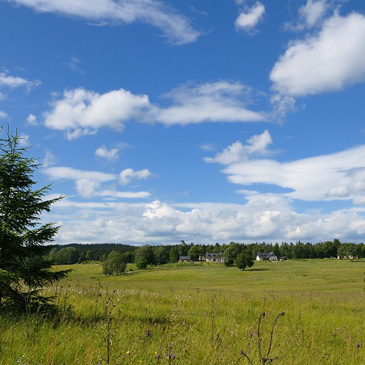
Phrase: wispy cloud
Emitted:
{"points": [[89, 184], [13, 82], [336, 176], [74, 64], [175, 27], [220, 101]]}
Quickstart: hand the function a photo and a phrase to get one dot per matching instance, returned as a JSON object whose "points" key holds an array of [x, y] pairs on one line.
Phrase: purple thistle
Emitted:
{"points": [[148, 333], [251, 334], [357, 345]]}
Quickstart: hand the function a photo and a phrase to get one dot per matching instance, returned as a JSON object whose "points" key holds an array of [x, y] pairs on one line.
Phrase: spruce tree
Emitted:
{"points": [[23, 266]]}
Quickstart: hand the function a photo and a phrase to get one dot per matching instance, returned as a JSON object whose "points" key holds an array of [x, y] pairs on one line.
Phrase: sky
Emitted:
{"points": [[196, 120]]}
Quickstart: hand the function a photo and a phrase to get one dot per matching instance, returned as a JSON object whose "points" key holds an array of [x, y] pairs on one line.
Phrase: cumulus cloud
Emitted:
{"points": [[14, 82], [3, 115], [174, 26], [327, 61], [109, 155], [265, 217], [237, 152], [80, 112], [249, 18], [127, 175], [220, 101]]}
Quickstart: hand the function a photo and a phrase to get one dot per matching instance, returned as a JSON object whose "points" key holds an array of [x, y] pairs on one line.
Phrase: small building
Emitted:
{"points": [[348, 257], [268, 256], [214, 257], [183, 259]]}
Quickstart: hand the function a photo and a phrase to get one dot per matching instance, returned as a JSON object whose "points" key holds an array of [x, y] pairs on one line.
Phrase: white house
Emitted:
{"points": [[214, 257], [269, 256]]}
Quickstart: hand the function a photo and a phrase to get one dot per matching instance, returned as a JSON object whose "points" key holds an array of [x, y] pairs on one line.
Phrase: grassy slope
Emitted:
{"points": [[199, 314]]}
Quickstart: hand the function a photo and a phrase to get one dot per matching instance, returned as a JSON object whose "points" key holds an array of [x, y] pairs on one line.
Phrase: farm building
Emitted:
{"points": [[214, 257], [269, 256], [185, 259]]}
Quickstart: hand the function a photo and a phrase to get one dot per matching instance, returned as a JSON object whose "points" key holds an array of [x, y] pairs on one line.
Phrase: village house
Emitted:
{"points": [[269, 256], [183, 259], [214, 257]]}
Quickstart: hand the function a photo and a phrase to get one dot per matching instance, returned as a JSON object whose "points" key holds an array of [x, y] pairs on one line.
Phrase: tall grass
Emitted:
{"points": [[203, 314]]}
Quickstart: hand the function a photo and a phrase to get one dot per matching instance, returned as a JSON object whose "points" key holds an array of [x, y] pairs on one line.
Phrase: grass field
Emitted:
{"points": [[198, 314]]}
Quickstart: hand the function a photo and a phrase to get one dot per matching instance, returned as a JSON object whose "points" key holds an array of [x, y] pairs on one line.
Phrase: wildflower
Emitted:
{"points": [[148, 333], [357, 345], [282, 313], [263, 314], [128, 353], [250, 334]]}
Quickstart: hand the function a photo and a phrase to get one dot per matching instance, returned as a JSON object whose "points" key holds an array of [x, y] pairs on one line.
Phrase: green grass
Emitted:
{"points": [[198, 314]]}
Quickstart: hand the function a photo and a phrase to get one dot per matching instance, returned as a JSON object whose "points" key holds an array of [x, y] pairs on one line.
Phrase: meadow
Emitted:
{"points": [[198, 314]]}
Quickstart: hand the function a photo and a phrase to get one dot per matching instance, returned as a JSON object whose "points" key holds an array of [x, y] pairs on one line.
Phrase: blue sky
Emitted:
{"points": [[207, 121]]}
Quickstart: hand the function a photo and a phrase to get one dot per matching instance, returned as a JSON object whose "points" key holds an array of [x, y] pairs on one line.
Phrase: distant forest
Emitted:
{"points": [[162, 254]]}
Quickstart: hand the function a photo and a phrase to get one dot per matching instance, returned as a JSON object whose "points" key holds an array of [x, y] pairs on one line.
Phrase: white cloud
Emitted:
{"points": [[32, 120], [175, 27], [220, 101], [49, 159], [248, 20], [236, 152], [81, 112], [127, 175], [335, 176], [89, 184], [313, 11], [59, 173], [14, 82], [326, 62], [87, 188], [109, 155], [24, 140], [3, 115], [264, 217], [282, 105], [124, 194], [74, 64]]}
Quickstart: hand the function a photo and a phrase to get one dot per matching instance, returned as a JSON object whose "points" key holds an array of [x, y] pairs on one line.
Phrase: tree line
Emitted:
{"points": [[163, 254]]}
